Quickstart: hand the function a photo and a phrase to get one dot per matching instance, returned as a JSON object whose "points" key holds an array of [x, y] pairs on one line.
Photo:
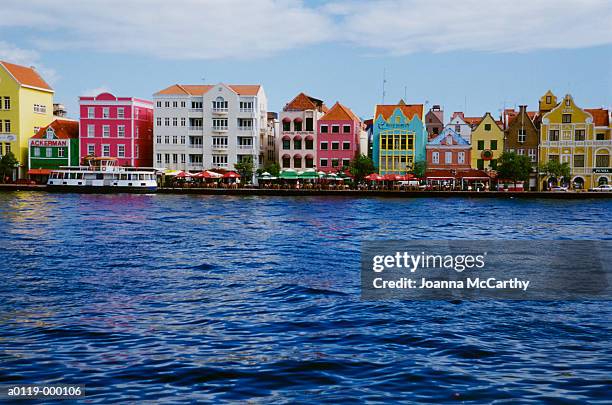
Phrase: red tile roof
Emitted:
{"points": [[201, 89], [303, 102], [601, 117], [409, 110], [26, 76], [64, 129], [339, 112], [472, 120]]}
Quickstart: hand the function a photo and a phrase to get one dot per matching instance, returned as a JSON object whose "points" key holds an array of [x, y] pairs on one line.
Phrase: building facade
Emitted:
{"points": [[434, 121], [399, 137], [338, 140], [26, 105], [568, 134], [487, 143], [297, 148], [200, 127], [463, 125], [448, 150], [269, 153], [120, 127], [54, 146], [522, 137]]}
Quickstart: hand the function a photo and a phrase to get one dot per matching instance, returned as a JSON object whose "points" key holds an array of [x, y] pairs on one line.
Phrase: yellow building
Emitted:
{"points": [[487, 143], [579, 137], [26, 105]]}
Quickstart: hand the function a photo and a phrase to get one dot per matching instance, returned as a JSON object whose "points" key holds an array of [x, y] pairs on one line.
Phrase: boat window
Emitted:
{"points": [[141, 177]]}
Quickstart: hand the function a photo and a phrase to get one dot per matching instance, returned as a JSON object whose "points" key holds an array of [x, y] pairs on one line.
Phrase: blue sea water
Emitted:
{"points": [[227, 299]]}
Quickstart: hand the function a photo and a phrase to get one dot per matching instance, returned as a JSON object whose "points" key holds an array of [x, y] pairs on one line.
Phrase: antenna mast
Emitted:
{"points": [[384, 93]]}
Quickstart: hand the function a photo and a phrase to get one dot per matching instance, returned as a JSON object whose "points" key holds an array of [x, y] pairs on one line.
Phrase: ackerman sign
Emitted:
{"points": [[49, 142]]}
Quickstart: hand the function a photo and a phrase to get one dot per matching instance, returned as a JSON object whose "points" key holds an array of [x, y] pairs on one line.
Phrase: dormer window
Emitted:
{"points": [[548, 100]]}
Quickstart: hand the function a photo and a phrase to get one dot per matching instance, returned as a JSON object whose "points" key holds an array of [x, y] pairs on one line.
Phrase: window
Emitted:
{"points": [[219, 142], [120, 150], [580, 135], [335, 145], [553, 135], [600, 136], [105, 131], [175, 122], [324, 129], [457, 128], [286, 126], [245, 124], [346, 162], [106, 150], [175, 139], [286, 144], [91, 149], [137, 151], [309, 163], [522, 135], [323, 145], [568, 102], [532, 154], [553, 158], [159, 155], [487, 127], [182, 154], [335, 129], [548, 100], [183, 104], [297, 162], [7, 125], [219, 124], [566, 118], [309, 144], [36, 151], [158, 139], [435, 157], [167, 121], [7, 148], [219, 104], [346, 145], [448, 157], [334, 162], [167, 139], [346, 129], [48, 152], [493, 145], [219, 160], [91, 131], [520, 152], [167, 104], [91, 112], [183, 121], [175, 104], [196, 105], [323, 163], [159, 105], [246, 106], [297, 144], [480, 164], [297, 125], [121, 131], [105, 112], [461, 157], [167, 158], [120, 112], [159, 122], [182, 139], [309, 122], [195, 141], [175, 158], [480, 145], [602, 161], [578, 160]]}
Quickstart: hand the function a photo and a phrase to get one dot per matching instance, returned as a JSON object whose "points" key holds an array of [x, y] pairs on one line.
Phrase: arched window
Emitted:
{"points": [[219, 104]]}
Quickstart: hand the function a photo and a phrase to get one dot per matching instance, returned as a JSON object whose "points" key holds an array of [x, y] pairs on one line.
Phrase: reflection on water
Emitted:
{"points": [[186, 298]]}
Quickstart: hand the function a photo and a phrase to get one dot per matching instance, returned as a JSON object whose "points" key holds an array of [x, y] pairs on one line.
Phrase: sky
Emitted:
{"points": [[474, 56]]}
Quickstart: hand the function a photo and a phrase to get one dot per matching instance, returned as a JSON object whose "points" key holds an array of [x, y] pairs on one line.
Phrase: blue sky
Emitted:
{"points": [[335, 51]]}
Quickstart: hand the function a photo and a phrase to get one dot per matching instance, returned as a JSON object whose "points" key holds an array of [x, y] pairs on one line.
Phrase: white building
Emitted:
{"points": [[463, 125], [199, 127]]}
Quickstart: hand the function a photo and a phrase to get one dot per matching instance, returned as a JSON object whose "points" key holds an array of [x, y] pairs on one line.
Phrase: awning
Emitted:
{"points": [[298, 119], [309, 156], [286, 156], [297, 138], [286, 119], [286, 138], [288, 174], [309, 138], [297, 156], [39, 172]]}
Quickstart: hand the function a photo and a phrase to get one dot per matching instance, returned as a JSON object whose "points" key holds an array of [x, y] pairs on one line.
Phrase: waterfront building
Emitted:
{"points": [[487, 143], [399, 137], [463, 125], [53, 146], [579, 137], [119, 127], [369, 129], [209, 126], [297, 147], [268, 143], [522, 137], [448, 150], [338, 138], [434, 121], [26, 105], [364, 139]]}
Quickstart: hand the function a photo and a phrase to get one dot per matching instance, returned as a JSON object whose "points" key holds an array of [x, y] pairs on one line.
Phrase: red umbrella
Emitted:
{"points": [[373, 177], [231, 175], [391, 177], [183, 174], [202, 175]]}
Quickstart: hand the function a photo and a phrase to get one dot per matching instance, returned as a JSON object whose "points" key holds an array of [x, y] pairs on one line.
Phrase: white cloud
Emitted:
{"points": [[97, 90], [27, 57], [212, 29]]}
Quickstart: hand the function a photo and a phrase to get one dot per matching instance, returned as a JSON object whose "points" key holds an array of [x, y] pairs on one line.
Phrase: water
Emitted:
{"points": [[224, 299]]}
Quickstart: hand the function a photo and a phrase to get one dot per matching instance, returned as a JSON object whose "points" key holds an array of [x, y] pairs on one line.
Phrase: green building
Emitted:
{"points": [[53, 146]]}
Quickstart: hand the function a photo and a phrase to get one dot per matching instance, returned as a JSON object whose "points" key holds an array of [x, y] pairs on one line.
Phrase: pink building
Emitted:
{"points": [[338, 138], [120, 127]]}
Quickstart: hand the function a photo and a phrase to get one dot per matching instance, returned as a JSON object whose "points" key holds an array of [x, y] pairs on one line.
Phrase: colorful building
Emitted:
{"points": [[581, 138], [522, 137], [298, 138], [463, 125], [487, 143], [399, 137], [53, 146], [120, 127], [26, 105], [338, 138], [448, 150], [434, 121]]}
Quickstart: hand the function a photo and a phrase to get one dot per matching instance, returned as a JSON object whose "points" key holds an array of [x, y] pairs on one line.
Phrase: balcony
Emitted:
{"points": [[219, 128], [219, 111], [196, 110], [195, 166], [246, 110], [195, 130], [245, 148], [219, 147]]}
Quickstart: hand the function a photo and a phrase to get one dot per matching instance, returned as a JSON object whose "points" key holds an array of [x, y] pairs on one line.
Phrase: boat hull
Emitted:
{"points": [[100, 189]]}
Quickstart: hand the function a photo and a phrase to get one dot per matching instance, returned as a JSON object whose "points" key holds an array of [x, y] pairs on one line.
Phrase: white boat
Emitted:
{"points": [[103, 175]]}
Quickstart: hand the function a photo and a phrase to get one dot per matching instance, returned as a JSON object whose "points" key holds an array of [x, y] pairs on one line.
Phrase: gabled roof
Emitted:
{"points": [[473, 121], [201, 89], [440, 139], [303, 102], [409, 110], [339, 112], [64, 129], [601, 117], [26, 76]]}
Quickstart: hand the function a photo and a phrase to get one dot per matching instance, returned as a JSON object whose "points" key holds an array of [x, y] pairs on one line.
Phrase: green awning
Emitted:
{"points": [[308, 175], [288, 175]]}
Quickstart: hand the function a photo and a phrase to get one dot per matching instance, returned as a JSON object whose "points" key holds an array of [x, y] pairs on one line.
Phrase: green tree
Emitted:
{"points": [[245, 169], [419, 168], [8, 163], [361, 166], [271, 167], [556, 169], [513, 167]]}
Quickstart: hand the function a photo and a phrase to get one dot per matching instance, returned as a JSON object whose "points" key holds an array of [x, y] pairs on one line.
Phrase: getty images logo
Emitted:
{"points": [[413, 262]]}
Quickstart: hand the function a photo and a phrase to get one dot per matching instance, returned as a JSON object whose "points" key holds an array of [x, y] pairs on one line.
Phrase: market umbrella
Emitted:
{"points": [[231, 175], [183, 174], [308, 175], [288, 174], [265, 174], [374, 177], [331, 176]]}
